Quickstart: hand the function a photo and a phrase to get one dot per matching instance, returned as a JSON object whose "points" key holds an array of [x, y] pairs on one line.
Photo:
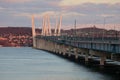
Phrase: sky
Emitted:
{"points": [[87, 13]]}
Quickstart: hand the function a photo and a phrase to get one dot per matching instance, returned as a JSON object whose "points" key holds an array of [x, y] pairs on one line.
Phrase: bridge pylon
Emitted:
{"points": [[57, 31], [33, 32], [46, 28]]}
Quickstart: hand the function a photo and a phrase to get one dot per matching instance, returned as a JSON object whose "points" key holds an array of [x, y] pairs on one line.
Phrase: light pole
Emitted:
{"points": [[75, 27], [116, 33], [104, 25], [74, 31]]}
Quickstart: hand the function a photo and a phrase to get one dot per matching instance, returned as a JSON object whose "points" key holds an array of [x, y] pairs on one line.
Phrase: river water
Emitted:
{"points": [[27, 63]]}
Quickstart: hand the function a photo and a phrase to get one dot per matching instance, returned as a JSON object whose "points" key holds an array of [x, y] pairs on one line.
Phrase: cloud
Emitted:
{"points": [[107, 15], [97, 9], [23, 14], [19, 12], [69, 14], [37, 15], [50, 13], [15, 1], [1, 8], [78, 2]]}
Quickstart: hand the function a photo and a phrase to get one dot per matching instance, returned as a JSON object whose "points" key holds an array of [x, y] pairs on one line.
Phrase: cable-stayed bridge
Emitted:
{"points": [[104, 49]]}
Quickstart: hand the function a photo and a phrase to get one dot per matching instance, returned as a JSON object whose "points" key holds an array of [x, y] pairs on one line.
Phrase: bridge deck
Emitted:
{"points": [[111, 45]]}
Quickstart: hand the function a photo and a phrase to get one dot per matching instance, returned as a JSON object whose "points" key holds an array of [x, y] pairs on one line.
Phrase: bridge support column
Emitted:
{"points": [[64, 53], [50, 46], [60, 49], [55, 48], [64, 50], [46, 45], [102, 55], [51, 49], [76, 53], [102, 60], [115, 57], [86, 53], [86, 58], [69, 51], [69, 54], [40, 44]]}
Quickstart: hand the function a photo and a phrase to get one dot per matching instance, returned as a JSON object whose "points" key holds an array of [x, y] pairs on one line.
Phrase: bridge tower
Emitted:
{"points": [[56, 24], [43, 28], [33, 31], [57, 31], [59, 27], [46, 28]]}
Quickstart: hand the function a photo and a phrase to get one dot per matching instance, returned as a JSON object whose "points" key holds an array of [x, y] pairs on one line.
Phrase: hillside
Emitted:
{"points": [[15, 36], [22, 36]]}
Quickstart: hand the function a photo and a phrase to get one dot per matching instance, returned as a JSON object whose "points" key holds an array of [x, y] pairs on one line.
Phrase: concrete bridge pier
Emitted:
{"points": [[101, 55], [59, 48], [50, 48], [76, 53], [115, 57], [69, 51], [86, 53], [69, 54], [37, 41], [47, 45], [55, 48], [63, 50], [86, 58], [102, 60], [40, 43]]}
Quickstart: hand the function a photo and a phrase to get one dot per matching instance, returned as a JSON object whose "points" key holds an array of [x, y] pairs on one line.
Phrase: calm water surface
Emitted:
{"points": [[30, 64]]}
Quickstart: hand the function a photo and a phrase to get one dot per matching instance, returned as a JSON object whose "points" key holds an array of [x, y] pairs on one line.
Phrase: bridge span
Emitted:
{"points": [[74, 46], [77, 46]]}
